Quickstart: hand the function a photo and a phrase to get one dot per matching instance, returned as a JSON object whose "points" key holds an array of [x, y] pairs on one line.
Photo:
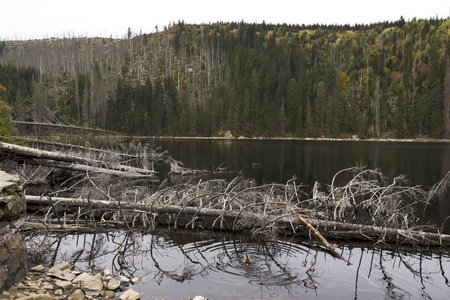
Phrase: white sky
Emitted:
{"points": [[30, 19]]}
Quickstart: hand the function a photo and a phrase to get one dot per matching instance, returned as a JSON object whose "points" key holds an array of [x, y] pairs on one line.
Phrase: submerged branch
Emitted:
{"points": [[367, 207]]}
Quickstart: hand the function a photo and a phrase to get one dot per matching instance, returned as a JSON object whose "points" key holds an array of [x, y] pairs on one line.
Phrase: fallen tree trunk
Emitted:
{"points": [[58, 159], [41, 124], [78, 147], [218, 219], [87, 168]]}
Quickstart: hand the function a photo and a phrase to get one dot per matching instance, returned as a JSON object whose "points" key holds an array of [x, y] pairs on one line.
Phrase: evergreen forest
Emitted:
{"points": [[383, 80]]}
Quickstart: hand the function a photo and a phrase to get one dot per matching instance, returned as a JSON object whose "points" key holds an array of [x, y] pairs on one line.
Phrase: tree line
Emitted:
{"points": [[388, 79]]}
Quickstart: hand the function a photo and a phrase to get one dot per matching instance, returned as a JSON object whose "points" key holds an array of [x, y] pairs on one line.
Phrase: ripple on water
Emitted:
{"points": [[182, 264]]}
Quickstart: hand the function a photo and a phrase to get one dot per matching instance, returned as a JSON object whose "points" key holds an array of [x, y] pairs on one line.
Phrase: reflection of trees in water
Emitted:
{"points": [[398, 269], [189, 269], [293, 266]]}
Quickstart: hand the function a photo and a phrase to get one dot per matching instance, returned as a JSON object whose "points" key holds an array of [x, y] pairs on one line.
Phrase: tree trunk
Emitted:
{"points": [[72, 162], [447, 100], [218, 219]]}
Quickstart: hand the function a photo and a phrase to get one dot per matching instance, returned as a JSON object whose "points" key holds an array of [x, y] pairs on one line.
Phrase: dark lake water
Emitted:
{"points": [[423, 163], [180, 264]]}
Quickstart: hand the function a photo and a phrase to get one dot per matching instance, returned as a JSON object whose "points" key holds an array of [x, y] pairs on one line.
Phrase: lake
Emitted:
{"points": [[423, 163], [179, 264]]}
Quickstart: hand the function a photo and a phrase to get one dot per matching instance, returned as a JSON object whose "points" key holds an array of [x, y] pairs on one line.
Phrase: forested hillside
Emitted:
{"points": [[388, 79]]}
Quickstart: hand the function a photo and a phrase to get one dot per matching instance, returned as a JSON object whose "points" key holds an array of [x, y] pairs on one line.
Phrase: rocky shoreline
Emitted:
{"points": [[63, 281]]}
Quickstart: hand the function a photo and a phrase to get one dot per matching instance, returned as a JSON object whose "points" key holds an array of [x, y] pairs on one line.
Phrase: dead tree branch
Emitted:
{"points": [[75, 163]]}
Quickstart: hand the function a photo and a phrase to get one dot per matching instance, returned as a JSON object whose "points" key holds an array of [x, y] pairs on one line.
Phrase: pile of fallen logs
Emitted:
{"points": [[265, 211], [367, 208], [73, 163]]}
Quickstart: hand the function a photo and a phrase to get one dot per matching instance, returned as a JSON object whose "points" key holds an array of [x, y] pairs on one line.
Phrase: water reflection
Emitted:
{"points": [[180, 264], [424, 164]]}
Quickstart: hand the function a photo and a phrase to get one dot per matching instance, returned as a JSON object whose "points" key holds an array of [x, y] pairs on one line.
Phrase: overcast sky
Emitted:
{"points": [[30, 19]]}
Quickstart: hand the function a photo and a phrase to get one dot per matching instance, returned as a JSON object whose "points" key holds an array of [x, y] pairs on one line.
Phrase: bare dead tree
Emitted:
{"points": [[269, 210]]}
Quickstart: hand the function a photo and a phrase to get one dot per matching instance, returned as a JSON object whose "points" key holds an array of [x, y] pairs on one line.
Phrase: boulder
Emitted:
{"points": [[12, 200], [13, 256]]}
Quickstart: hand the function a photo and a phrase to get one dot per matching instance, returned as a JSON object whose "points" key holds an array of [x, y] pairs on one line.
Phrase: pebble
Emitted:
{"points": [[21, 286], [130, 295], [77, 295], [136, 280], [58, 292], [48, 287], [38, 269], [62, 282], [110, 294], [81, 277], [64, 275], [124, 279], [65, 265], [113, 284]]}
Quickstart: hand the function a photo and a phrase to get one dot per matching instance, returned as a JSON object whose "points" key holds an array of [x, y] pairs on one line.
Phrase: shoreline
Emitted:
{"points": [[261, 138], [294, 139]]}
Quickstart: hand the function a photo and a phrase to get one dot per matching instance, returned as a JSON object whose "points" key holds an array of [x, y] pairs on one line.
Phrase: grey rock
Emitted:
{"points": [[21, 286], [114, 284], [130, 295], [64, 275], [124, 279], [12, 246], [58, 292], [77, 295], [93, 286], [38, 269], [136, 280], [110, 294], [65, 265], [63, 284], [48, 286], [38, 297], [81, 277]]}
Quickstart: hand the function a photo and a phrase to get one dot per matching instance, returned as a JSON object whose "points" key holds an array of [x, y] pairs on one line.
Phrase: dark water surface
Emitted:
{"points": [[423, 163], [180, 264]]}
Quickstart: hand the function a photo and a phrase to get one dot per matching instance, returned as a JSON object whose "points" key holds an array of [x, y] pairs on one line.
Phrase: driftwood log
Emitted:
{"points": [[217, 219], [75, 163]]}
